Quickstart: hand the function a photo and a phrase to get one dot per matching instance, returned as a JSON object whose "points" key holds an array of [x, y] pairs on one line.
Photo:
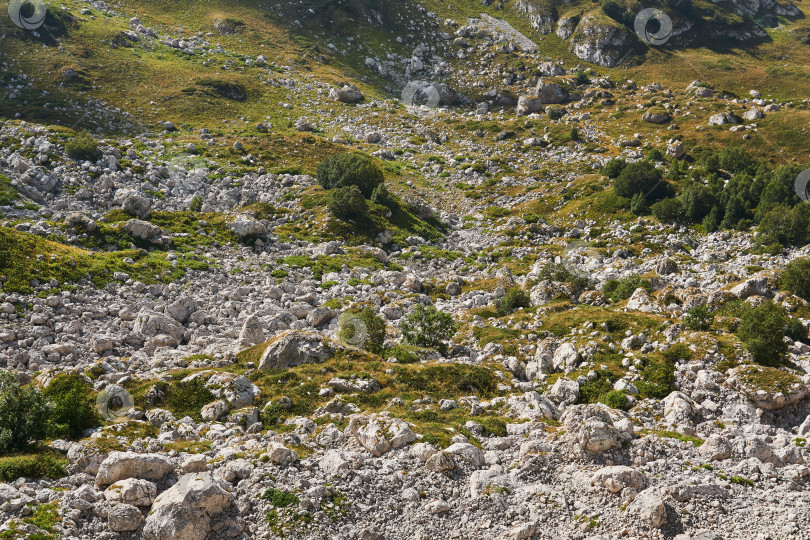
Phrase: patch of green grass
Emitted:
{"points": [[767, 378], [7, 192], [447, 380], [32, 466], [696, 441], [741, 481], [280, 498]]}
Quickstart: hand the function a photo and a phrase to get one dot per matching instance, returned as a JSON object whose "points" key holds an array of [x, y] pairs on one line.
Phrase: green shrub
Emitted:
{"points": [[280, 498], [83, 147], [382, 196], [785, 226], [558, 272], [679, 351], [615, 399], [227, 89], [365, 330], [639, 177], [72, 406], [796, 278], [658, 380], [668, 210], [188, 398], [23, 414], [555, 112], [447, 380], [514, 298], [592, 391], [761, 330], [618, 290], [347, 203], [343, 170], [698, 318], [638, 205], [796, 331], [428, 327], [697, 201], [614, 167], [196, 204], [32, 466]]}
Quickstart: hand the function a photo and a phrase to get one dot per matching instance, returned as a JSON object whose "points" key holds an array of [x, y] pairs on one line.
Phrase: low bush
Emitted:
{"points": [[428, 327], [344, 170], [348, 203], [365, 330], [72, 406], [796, 278], [83, 147], [622, 289], [23, 415], [514, 298], [698, 318], [761, 330], [32, 466]]}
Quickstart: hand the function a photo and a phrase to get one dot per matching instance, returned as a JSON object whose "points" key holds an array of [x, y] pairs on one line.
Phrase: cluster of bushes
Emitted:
{"points": [[513, 299], [558, 272], [726, 189], [428, 327], [363, 329], [83, 147], [622, 289], [355, 183], [29, 415], [762, 329]]}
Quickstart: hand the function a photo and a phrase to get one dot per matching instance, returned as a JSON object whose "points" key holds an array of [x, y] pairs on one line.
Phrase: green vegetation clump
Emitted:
{"points": [[280, 498], [23, 415], [196, 204], [558, 272], [447, 380], [639, 177], [668, 210], [514, 298], [618, 290], [227, 89], [83, 147], [796, 278], [428, 327], [32, 466], [614, 167], [72, 406], [365, 330], [7, 193], [344, 170], [187, 398], [698, 318], [761, 330], [658, 380], [347, 203]]}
